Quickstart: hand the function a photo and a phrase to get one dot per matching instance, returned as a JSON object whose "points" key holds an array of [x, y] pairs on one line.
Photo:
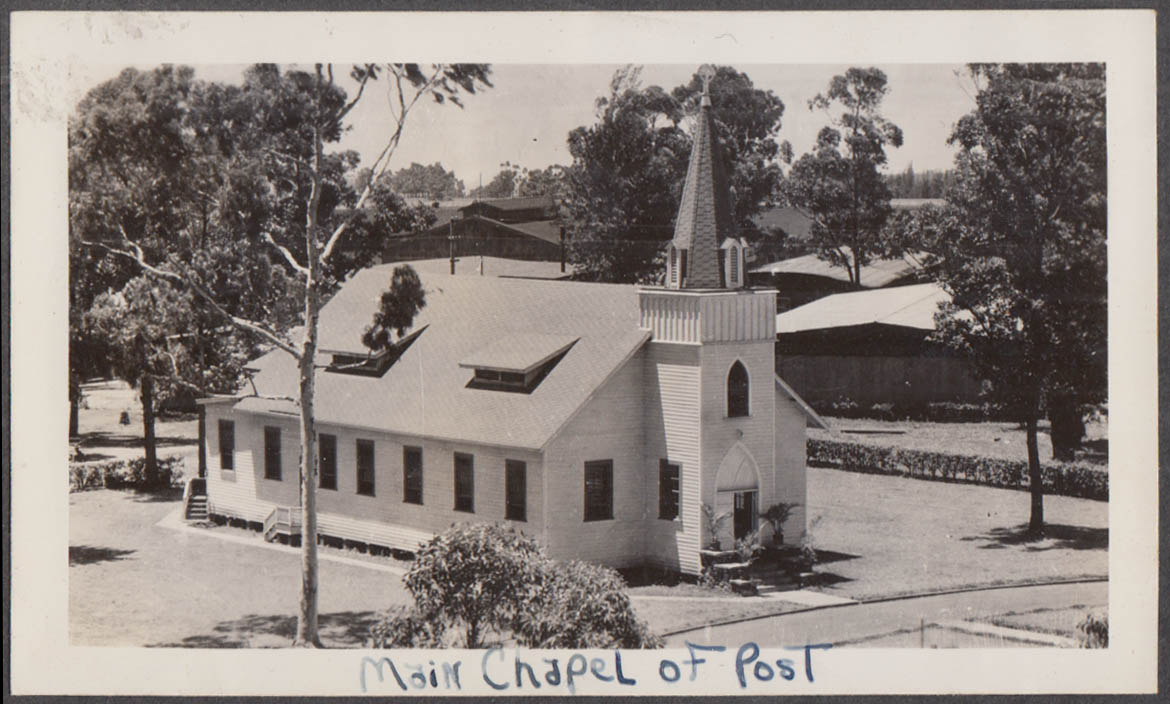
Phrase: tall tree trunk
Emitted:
{"points": [[1035, 480], [307, 635], [1067, 427], [150, 470], [74, 416]]}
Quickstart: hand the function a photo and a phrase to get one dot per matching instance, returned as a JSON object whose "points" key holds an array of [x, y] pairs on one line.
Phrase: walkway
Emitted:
{"points": [[859, 624]]}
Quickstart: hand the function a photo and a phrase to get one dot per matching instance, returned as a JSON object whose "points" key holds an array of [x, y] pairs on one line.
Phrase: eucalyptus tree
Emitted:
{"points": [[840, 182], [284, 211]]}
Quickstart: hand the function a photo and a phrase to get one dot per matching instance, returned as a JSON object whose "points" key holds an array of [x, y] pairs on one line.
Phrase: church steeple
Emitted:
{"points": [[704, 220]]}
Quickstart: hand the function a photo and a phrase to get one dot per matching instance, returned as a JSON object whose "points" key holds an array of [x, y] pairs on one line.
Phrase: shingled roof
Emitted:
{"points": [[425, 393], [704, 212]]}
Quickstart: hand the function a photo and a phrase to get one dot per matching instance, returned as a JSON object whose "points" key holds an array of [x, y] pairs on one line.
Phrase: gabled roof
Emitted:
{"points": [[492, 266], [519, 203], [903, 306], [878, 273], [425, 392], [812, 417]]}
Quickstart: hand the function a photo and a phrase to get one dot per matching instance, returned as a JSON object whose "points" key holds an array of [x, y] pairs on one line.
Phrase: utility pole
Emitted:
{"points": [[451, 242]]}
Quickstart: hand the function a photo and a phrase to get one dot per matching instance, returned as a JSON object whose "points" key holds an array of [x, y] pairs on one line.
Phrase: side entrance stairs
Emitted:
{"points": [[195, 507]]}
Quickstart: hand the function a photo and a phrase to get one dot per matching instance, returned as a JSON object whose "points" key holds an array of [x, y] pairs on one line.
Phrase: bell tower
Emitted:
{"points": [[711, 364]]}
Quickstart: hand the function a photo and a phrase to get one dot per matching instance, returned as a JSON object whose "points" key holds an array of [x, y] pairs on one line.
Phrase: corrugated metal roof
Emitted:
{"points": [[877, 273], [905, 306], [492, 266], [425, 393]]}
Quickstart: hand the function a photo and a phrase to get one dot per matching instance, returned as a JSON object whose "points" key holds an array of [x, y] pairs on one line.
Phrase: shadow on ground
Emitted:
{"points": [[89, 555], [1054, 537], [104, 439], [154, 496], [344, 629]]}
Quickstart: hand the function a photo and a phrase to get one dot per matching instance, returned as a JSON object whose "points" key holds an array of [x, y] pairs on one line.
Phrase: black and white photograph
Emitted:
{"points": [[679, 353]]}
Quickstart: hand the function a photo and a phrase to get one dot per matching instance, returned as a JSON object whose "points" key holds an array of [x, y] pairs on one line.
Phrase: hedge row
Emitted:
{"points": [[123, 474], [933, 412], [1059, 478]]}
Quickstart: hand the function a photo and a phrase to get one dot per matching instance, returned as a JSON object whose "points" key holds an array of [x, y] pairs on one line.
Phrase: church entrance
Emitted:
{"points": [[744, 516], [737, 486]]}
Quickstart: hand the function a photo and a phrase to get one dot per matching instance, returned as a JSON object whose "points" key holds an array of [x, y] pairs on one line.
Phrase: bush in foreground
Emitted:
{"points": [[1093, 631], [476, 579]]}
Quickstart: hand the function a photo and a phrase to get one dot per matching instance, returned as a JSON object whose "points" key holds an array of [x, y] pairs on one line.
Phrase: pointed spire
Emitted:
{"points": [[704, 213]]}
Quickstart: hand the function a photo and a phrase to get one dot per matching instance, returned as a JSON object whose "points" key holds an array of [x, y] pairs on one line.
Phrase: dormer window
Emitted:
{"points": [[371, 364], [517, 362]]}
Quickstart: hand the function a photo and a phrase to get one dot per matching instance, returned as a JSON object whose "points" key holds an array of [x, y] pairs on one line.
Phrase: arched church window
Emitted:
{"points": [[737, 391]]}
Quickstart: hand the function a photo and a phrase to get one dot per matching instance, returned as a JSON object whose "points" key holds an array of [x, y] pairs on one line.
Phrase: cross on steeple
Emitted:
{"points": [[706, 73]]}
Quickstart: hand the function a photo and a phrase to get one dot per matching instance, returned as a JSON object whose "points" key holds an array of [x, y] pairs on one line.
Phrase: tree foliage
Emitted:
{"points": [[839, 181], [475, 581], [430, 182], [582, 605], [475, 577], [1021, 247], [271, 204], [621, 192], [397, 308]]}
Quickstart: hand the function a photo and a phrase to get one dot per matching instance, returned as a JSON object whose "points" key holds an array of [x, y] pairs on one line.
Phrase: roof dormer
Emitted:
{"points": [[516, 362]]}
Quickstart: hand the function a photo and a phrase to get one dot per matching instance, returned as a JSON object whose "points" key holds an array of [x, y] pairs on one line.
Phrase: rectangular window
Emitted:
{"points": [[412, 475], [227, 444], [327, 461], [515, 491], [271, 452], [667, 490], [599, 490], [464, 483], [365, 467]]}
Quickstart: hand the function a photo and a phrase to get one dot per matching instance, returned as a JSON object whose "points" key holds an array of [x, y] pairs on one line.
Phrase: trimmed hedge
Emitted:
{"points": [[123, 474], [1059, 478], [933, 412]]}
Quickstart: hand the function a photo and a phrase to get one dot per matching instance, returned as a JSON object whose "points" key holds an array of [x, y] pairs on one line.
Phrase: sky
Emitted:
{"points": [[527, 114]]}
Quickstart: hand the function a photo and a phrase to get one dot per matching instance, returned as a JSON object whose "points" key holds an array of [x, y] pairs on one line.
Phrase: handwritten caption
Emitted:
{"points": [[503, 670]]}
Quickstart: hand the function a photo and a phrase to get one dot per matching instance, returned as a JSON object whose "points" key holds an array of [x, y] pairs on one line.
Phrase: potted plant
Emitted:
{"points": [[776, 515], [715, 524]]}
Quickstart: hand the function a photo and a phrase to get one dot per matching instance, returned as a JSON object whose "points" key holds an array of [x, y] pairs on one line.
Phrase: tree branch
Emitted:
{"points": [[288, 256], [202, 293], [383, 160]]}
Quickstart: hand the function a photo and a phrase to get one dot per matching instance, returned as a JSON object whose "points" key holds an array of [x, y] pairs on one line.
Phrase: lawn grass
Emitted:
{"points": [[1057, 622], [1002, 440], [671, 615], [133, 583], [882, 536]]}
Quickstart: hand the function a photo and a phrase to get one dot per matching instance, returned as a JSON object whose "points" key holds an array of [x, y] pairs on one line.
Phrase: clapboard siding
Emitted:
{"points": [[754, 432], [382, 518], [791, 463], [672, 412], [608, 427]]}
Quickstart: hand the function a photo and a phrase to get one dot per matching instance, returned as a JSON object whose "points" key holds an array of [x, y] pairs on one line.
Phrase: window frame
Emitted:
{"points": [[598, 511], [463, 467], [516, 505], [227, 451], [321, 463], [362, 446], [734, 409], [410, 474], [272, 442], [669, 498]]}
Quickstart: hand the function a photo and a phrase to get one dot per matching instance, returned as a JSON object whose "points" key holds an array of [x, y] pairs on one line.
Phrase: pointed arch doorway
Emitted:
{"points": [[737, 491]]}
